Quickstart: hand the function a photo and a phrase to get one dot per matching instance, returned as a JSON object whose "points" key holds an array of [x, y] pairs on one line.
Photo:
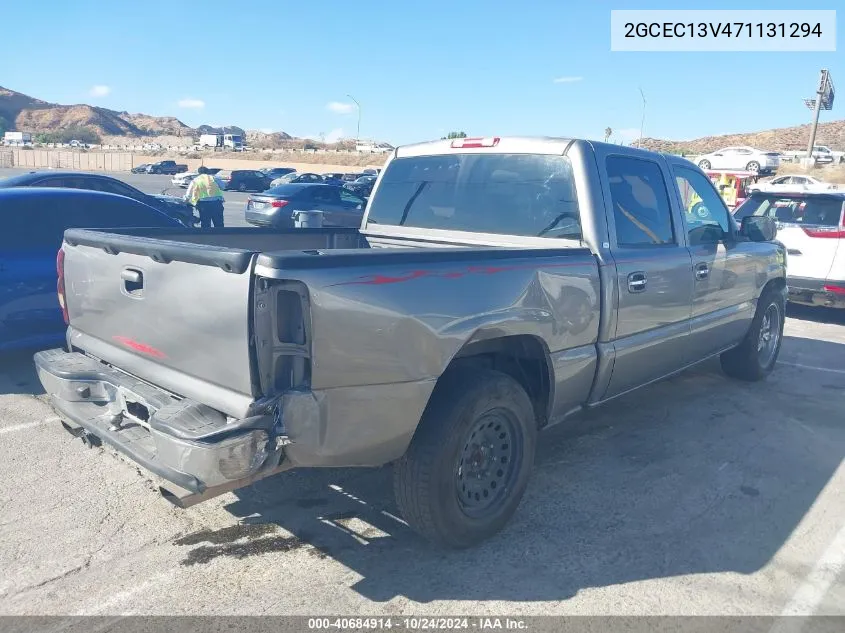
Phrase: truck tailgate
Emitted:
{"points": [[174, 314]]}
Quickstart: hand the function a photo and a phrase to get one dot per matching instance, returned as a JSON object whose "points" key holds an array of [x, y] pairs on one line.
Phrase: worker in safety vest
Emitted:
{"points": [[205, 194]]}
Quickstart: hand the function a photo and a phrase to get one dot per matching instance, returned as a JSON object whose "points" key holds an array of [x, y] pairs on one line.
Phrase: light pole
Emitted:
{"points": [[358, 131], [642, 121]]}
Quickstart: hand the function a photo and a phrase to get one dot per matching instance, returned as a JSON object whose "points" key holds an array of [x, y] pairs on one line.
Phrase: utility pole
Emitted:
{"points": [[820, 93], [358, 131], [642, 121]]}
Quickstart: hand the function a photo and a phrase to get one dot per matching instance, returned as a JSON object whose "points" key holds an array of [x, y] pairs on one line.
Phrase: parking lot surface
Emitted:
{"points": [[698, 495], [235, 202]]}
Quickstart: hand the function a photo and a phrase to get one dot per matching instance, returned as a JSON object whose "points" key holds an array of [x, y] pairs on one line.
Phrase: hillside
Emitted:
{"points": [[29, 114], [830, 133]]}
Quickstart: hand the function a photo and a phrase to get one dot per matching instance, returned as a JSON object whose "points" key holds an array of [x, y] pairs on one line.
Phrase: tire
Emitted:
{"points": [[753, 166], [705, 164], [756, 356], [433, 482]]}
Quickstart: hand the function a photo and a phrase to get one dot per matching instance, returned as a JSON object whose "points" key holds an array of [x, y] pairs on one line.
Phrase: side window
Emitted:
{"points": [[350, 198], [50, 182], [640, 201], [704, 210], [18, 217], [110, 186], [325, 194]]}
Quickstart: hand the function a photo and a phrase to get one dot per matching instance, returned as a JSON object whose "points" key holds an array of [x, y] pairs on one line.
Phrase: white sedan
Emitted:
{"points": [[741, 158], [184, 179], [793, 183]]}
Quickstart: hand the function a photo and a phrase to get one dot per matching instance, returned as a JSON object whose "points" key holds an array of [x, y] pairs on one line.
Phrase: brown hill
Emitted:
{"points": [[27, 114], [831, 133]]}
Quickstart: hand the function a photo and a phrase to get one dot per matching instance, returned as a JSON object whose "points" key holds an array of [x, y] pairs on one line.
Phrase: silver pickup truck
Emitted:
{"points": [[496, 287]]}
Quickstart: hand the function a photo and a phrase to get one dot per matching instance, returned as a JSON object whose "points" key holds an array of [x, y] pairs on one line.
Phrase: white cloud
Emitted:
{"points": [[566, 80], [335, 135], [193, 104], [99, 91], [339, 107]]}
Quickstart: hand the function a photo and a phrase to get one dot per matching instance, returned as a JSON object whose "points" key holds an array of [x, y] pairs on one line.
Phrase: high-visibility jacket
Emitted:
{"points": [[203, 187]]}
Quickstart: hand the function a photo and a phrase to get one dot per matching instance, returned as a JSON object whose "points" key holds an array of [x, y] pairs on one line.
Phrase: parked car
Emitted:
{"points": [[798, 182], [351, 177], [169, 167], [823, 155], [243, 180], [277, 172], [811, 225], [362, 189], [573, 275], [143, 168], [277, 206], [334, 178], [33, 221], [294, 178], [171, 205], [746, 158], [184, 179]]}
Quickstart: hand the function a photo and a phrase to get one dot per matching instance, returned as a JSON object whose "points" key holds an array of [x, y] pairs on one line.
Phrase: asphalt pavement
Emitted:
{"points": [[698, 495]]}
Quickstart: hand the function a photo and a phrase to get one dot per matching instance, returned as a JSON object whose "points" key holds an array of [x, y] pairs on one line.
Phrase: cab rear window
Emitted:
{"points": [[510, 194]]}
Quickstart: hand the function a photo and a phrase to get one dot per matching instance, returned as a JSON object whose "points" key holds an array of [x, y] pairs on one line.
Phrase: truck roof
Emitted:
{"points": [[505, 144]]}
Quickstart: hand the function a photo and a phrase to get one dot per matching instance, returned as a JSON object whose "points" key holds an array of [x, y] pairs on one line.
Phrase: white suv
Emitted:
{"points": [[811, 226]]}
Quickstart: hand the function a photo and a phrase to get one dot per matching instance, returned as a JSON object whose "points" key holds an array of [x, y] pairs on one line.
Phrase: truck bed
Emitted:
{"points": [[179, 307]]}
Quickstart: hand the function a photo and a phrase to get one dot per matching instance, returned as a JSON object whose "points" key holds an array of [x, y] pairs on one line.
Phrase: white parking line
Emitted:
{"points": [[812, 367], [27, 425], [813, 590]]}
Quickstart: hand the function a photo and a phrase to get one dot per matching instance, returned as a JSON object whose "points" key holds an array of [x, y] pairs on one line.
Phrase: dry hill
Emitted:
{"points": [[831, 133]]}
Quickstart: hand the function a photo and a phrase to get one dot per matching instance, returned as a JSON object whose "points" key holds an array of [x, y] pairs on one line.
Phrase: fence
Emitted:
{"points": [[76, 161]]}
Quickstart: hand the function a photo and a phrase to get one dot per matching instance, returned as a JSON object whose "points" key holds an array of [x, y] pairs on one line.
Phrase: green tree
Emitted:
{"points": [[608, 132], [4, 125], [451, 135]]}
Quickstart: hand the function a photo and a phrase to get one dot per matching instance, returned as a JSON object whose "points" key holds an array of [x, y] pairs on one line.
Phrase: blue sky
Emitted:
{"points": [[418, 69]]}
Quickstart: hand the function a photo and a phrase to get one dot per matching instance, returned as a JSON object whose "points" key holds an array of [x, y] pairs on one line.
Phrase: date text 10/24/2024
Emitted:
{"points": [[417, 624]]}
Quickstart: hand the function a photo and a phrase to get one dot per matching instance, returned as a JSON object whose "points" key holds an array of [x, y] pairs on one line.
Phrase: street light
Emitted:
{"points": [[358, 131]]}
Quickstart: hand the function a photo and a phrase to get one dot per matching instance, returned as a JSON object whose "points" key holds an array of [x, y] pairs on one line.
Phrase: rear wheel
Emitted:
{"points": [[705, 164], [756, 356], [468, 465]]}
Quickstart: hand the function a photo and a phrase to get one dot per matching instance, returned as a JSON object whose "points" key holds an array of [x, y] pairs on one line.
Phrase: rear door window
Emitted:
{"points": [[641, 208], [507, 194]]}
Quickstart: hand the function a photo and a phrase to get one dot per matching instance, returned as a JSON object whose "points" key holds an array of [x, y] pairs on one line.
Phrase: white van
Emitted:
{"points": [[812, 227]]}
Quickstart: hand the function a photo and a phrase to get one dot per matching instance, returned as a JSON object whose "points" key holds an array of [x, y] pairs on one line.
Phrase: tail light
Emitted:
{"points": [[278, 204], [839, 290], [489, 141], [60, 284], [825, 231]]}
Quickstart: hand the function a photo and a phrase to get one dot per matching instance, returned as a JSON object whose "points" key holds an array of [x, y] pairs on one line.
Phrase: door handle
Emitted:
{"points": [[133, 280], [702, 271], [130, 275], [637, 282]]}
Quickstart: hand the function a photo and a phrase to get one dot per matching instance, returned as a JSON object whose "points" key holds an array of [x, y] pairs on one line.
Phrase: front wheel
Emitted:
{"points": [[753, 166], [705, 164], [468, 465], [756, 356]]}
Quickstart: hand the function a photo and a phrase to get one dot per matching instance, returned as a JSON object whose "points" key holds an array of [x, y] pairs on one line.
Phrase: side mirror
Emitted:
{"points": [[758, 228]]}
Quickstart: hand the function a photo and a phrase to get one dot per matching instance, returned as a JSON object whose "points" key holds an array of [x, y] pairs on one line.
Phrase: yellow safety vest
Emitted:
{"points": [[204, 186]]}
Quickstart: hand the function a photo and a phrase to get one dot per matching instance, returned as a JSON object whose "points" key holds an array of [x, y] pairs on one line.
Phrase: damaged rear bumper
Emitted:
{"points": [[190, 445]]}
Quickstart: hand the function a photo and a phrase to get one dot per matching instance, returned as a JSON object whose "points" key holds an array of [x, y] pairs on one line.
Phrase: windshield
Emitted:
{"points": [[810, 210], [510, 194]]}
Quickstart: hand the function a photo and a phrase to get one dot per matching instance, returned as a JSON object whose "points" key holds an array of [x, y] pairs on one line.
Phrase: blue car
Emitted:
{"points": [[32, 224]]}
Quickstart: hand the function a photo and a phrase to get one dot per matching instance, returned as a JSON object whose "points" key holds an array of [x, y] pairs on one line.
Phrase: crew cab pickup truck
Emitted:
{"points": [[496, 286], [169, 167]]}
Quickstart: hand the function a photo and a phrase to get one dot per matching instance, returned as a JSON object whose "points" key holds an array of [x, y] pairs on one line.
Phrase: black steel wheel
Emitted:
{"points": [[469, 462]]}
